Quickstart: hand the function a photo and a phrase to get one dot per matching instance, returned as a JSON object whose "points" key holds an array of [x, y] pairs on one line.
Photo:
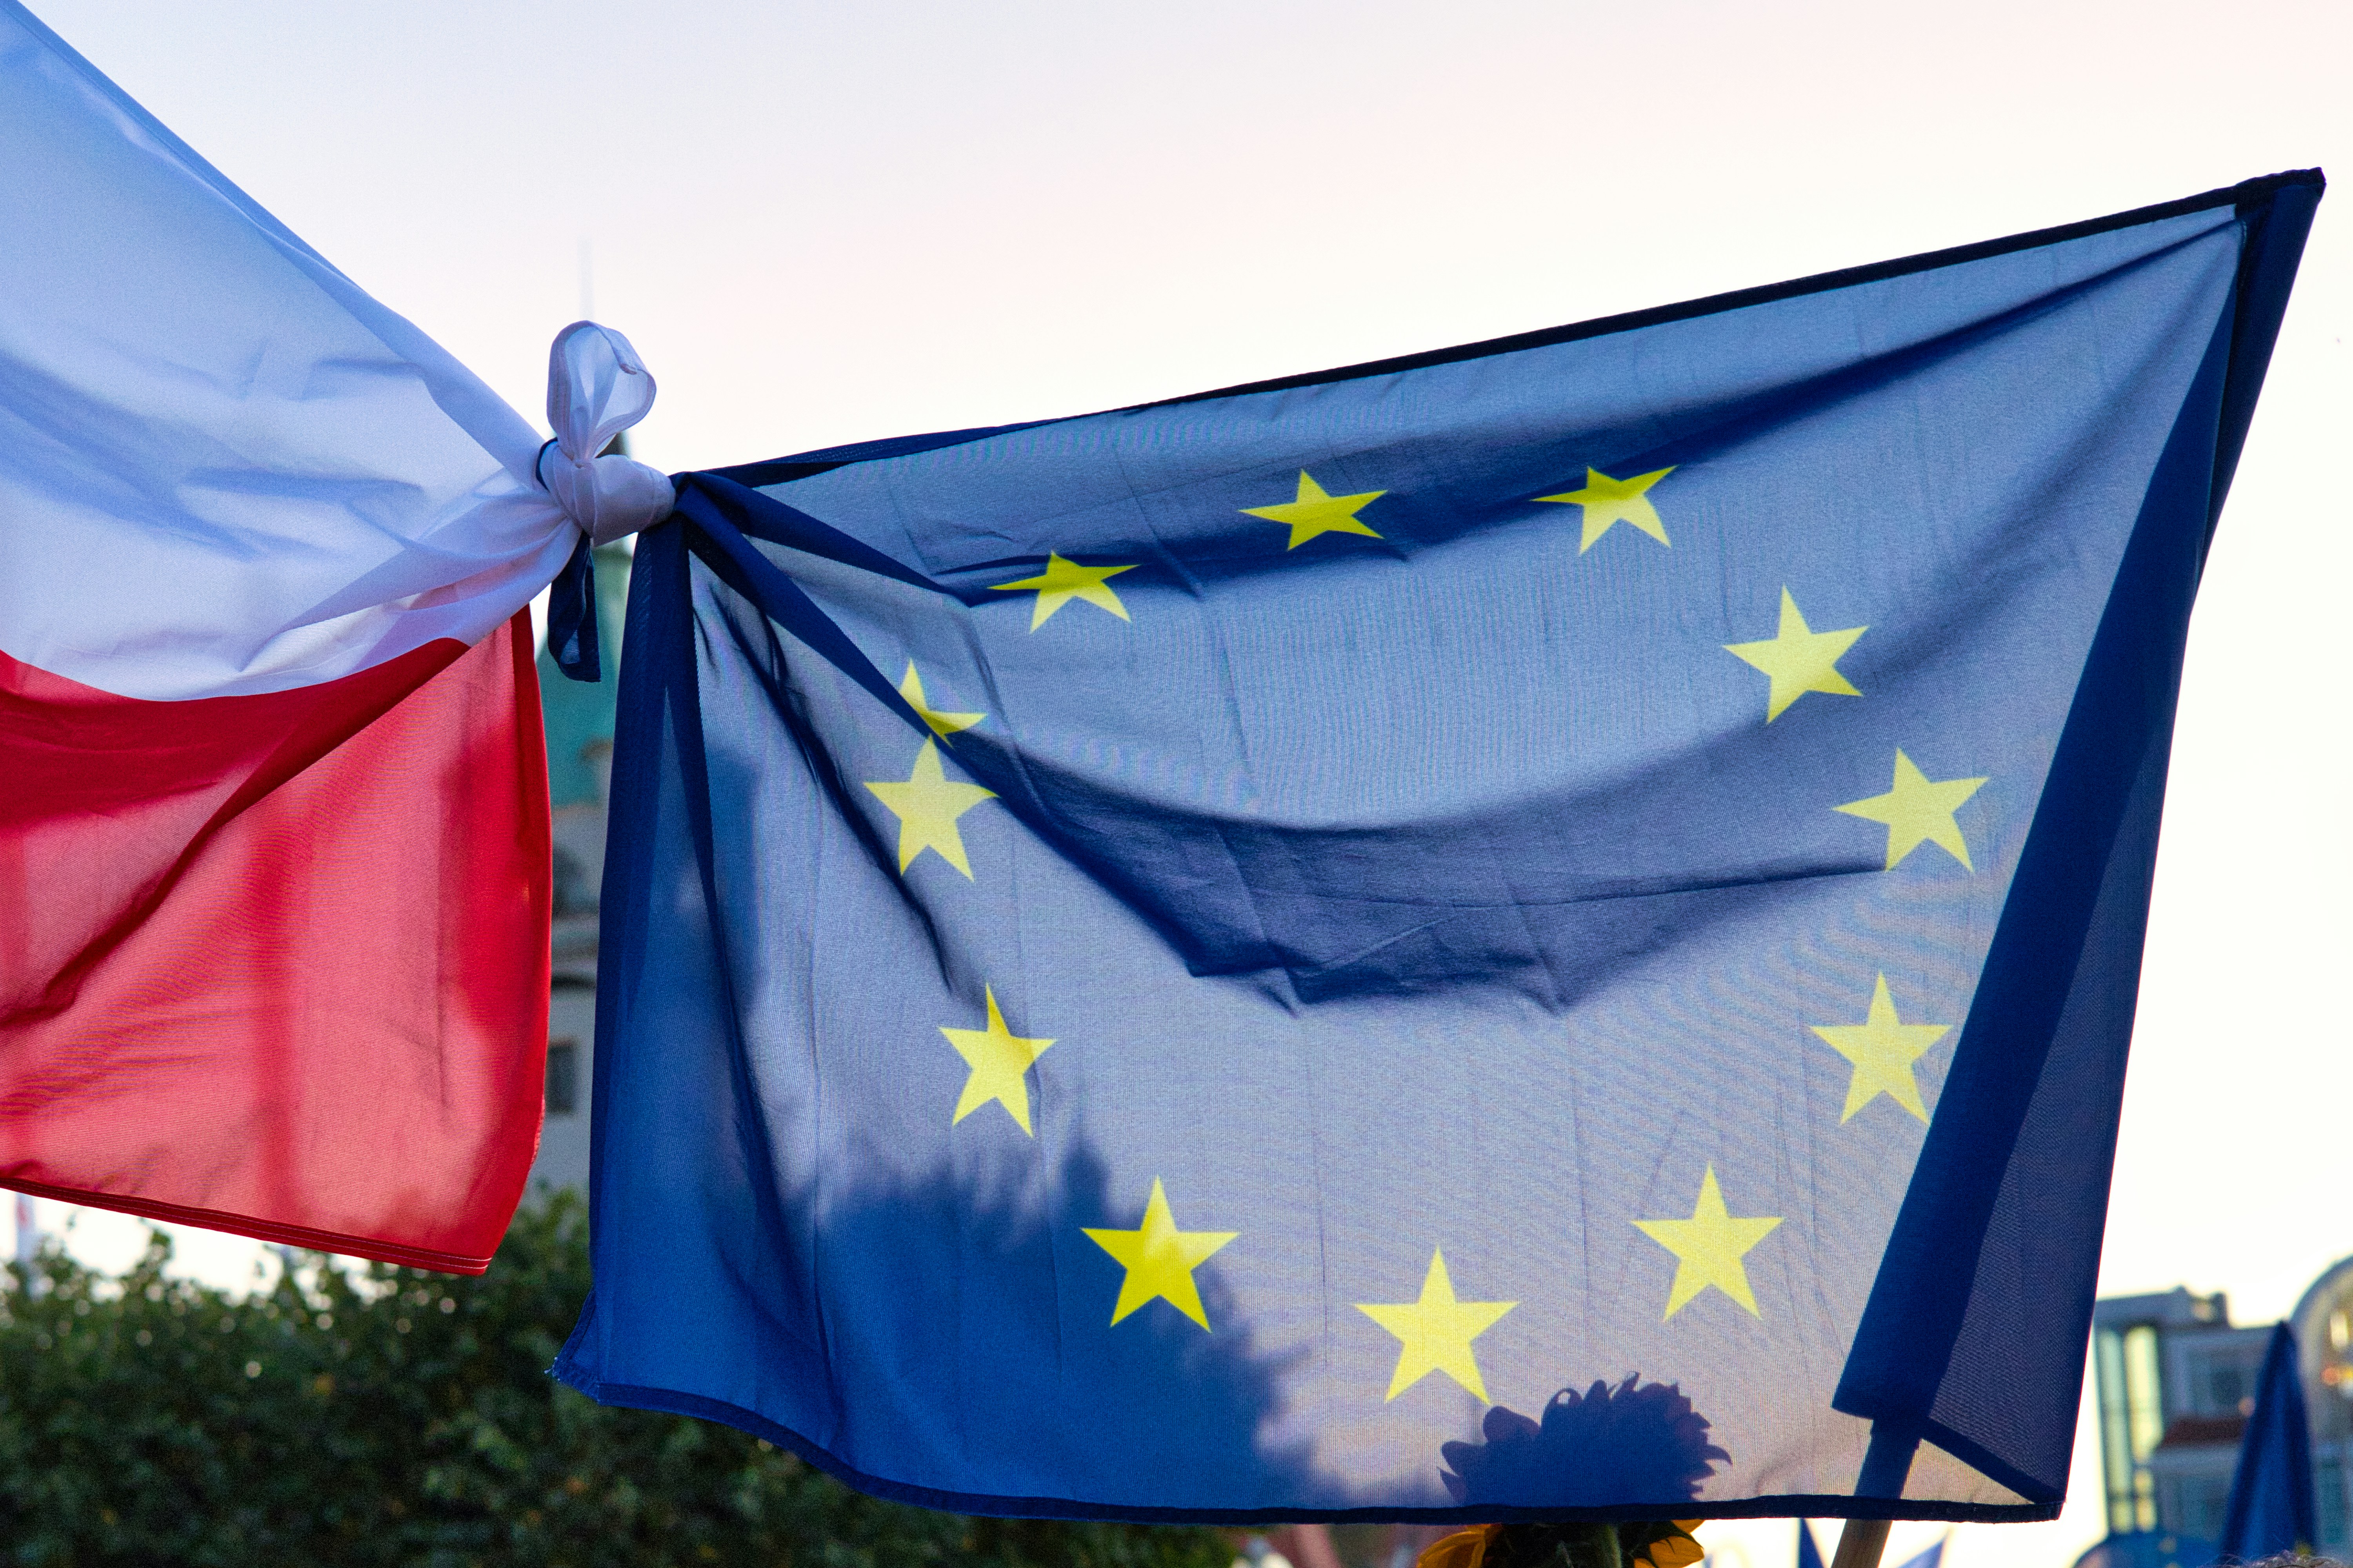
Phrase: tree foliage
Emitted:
{"points": [[390, 1415]]}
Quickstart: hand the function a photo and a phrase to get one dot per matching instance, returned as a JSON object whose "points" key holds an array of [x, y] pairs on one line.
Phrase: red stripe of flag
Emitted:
{"points": [[278, 965]]}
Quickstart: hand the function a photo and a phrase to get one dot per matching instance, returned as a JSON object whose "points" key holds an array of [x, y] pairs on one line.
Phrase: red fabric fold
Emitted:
{"points": [[278, 965]]}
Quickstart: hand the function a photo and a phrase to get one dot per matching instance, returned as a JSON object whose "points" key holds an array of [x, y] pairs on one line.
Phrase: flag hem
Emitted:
{"points": [[258, 1229], [1806, 1505], [2243, 197], [2245, 193]]}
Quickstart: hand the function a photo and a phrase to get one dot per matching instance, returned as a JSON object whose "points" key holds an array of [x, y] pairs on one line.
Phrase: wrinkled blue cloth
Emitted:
{"points": [[1542, 931]]}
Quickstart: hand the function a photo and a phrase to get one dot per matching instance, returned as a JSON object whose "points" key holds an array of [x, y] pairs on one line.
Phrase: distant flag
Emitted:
{"points": [[1931, 1558], [274, 851], [2271, 1508], [1544, 928]]}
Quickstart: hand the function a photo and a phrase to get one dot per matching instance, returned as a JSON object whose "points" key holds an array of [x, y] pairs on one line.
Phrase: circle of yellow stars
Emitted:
{"points": [[1436, 1332]]}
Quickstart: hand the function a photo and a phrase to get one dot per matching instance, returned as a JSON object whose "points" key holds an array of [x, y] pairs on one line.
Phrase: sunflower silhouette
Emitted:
{"points": [[1629, 1446]]}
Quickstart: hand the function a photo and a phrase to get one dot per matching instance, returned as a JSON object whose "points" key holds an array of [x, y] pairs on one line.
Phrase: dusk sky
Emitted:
{"points": [[825, 223]]}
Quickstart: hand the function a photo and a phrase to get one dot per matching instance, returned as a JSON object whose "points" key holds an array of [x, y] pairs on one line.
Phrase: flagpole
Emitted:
{"points": [[1861, 1543]]}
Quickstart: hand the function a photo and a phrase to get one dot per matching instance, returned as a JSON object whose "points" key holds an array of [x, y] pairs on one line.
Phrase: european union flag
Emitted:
{"points": [[1542, 930], [2271, 1508]]}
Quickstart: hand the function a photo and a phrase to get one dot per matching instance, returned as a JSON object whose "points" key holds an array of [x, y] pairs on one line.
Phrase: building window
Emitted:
{"points": [[563, 1078], [2132, 1418], [2146, 1400], [2226, 1386]]}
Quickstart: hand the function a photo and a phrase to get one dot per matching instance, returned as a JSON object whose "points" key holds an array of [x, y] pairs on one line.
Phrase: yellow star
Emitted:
{"points": [[1063, 580], [1160, 1260], [1606, 500], [1708, 1248], [1882, 1048], [1315, 513], [1799, 659], [943, 724], [928, 806], [1919, 810], [999, 1059], [1434, 1334]]}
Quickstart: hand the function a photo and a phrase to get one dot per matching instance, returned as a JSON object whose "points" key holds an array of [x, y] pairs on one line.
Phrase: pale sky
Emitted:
{"points": [[824, 222]]}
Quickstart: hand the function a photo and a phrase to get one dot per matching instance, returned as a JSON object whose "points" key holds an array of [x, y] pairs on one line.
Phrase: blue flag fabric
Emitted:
{"points": [[1809, 1555], [1544, 929], [2271, 1506]]}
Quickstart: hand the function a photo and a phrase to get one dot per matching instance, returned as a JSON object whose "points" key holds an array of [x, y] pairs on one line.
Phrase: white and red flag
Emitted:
{"points": [[274, 856]]}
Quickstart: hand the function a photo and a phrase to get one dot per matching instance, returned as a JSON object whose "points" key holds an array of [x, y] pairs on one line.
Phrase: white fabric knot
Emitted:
{"points": [[596, 388]]}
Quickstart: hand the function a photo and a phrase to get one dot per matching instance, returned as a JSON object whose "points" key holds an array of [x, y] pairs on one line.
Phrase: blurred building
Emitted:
{"points": [[579, 721], [2177, 1383]]}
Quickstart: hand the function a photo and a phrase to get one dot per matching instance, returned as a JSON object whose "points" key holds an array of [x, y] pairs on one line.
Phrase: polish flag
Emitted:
{"points": [[274, 857]]}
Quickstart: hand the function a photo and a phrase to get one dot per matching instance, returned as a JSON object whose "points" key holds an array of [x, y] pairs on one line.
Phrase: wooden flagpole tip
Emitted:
{"points": [[1861, 1543]]}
